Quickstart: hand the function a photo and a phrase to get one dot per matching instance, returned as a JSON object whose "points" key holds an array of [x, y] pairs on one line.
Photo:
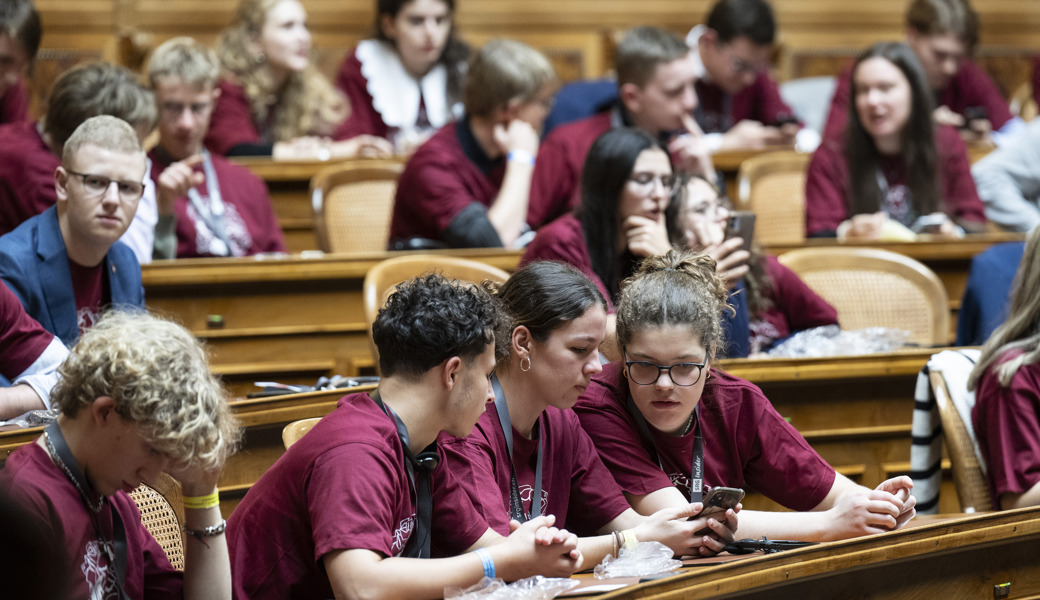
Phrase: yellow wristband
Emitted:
{"points": [[207, 501], [630, 539]]}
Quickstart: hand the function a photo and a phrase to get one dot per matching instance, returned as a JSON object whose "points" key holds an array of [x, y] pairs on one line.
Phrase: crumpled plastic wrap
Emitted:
{"points": [[647, 558], [34, 418], [531, 588], [830, 340]]}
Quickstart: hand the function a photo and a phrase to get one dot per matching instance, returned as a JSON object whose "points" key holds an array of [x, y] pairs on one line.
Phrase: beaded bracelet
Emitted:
{"points": [[487, 562], [207, 501], [205, 532]]}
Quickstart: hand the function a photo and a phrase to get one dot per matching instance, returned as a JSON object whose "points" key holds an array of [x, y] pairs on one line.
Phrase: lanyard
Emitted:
{"points": [[516, 506], [212, 213], [58, 448], [419, 542], [697, 466]]}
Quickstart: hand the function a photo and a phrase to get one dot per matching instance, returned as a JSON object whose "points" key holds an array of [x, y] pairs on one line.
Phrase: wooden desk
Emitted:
{"points": [[960, 558]]}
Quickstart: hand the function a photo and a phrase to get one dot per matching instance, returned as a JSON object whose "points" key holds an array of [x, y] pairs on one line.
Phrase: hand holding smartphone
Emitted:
{"points": [[719, 500], [741, 224]]}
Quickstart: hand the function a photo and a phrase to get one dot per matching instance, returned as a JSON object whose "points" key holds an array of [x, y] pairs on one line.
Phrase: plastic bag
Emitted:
{"points": [[531, 588], [647, 558], [830, 340]]}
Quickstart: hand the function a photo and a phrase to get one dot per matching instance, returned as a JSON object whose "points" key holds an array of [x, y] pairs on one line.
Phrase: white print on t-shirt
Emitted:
{"points": [[681, 481], [237, 233], [402, 534], [897, 204], [85, 318], [95, 571], [763, 333], [527, 491]]}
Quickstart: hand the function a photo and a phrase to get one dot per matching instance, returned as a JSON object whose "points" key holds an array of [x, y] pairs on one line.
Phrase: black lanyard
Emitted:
{"points": [[516, 505], [697, 468], [419, 470], [59, 449]]}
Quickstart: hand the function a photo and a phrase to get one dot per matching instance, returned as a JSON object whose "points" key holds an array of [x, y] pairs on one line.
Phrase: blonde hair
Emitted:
{"points": [[186, 59], [1021, 331], [306, 105], [158, 375], [503, 71], [106, 132], [680, 289]]}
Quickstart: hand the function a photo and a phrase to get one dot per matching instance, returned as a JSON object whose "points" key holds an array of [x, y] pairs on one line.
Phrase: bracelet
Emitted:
{"points": [[630, 539], [205, 532], [207, 501], [487, 562], [521, 156], [614, 536]]}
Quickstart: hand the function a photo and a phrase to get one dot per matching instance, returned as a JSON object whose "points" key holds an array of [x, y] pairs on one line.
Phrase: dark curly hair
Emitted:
{"points": [[429, 319]]}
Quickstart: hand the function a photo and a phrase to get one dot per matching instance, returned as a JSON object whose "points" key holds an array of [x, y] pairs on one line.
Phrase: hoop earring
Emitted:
{"points": [[528, 359]]}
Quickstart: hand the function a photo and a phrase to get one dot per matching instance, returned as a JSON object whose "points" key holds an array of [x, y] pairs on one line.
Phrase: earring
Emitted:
{"points": [[260, 58], [528, 359]]}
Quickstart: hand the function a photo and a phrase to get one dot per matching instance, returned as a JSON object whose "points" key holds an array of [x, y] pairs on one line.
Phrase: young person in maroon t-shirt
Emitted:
{"points": [[779, 303], [349, 508], [407, 82], [670, 427], [29, 359], [137, 398], [1006, 381], [20, 33], [894, 164], [215, 207], [528, 455], [468, 185]]}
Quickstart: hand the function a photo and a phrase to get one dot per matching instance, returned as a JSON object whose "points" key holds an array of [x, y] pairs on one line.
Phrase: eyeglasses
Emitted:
{"points": [[683, 374], [645, 181], [711, 207], [97, 185], [176, 109]]}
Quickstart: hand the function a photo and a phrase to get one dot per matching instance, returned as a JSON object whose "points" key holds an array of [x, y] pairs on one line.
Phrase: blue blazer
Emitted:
{"points": [[34, 264]]}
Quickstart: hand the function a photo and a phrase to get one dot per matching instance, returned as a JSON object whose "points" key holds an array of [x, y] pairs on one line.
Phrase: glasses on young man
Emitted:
{"points": [[683, 374], [646, 181], [97, 185]]}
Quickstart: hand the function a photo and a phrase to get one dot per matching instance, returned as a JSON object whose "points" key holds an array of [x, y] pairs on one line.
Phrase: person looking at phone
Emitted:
{"points": [[779, 303], [895, 169], [528, 455], [666, 414], [739, 106]]}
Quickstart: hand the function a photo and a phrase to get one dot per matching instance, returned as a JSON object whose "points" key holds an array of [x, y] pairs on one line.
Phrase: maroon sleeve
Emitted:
{"points": [[761, 101], [1007, 424], [267, 232], [471, 461], [838, 115], [961, 199], [26, 174], [1036, 79], [232, 121], [556, 183], [14, 106], [973, 87], [802, 307], [563, 240], [596, 498], [613, 431], [22, 339], [363, 117], [826, 190], [457, 524]]}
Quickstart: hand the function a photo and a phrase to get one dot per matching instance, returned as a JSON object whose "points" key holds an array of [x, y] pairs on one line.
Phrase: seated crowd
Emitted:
{"points": [[500, 441]]}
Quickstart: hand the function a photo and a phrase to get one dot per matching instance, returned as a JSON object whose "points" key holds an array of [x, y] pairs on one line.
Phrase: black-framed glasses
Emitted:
{"points": [[97, 185], [646, 181], [644, 372]]}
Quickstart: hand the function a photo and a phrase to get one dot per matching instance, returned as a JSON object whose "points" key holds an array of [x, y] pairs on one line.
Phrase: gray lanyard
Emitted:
{"points": [[213, 213], [697, 466], [516, 505]]}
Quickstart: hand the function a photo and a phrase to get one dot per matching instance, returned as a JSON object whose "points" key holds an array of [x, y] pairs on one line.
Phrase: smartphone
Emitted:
{"points": [[741, 224], [719, 500], [785, 119], [974, 113], [929, 223]]}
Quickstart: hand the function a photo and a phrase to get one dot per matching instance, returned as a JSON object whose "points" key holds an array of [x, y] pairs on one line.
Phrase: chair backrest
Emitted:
{"points": [[292, 432], [162, 512], [876, 288], [381, 279], [353, 203], [772, 186], [968, 476]]}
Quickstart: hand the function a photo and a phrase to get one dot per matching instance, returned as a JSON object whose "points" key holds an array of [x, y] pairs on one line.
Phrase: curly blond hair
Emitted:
{"points": [[159, 377], [681, 289], [307, 104]]}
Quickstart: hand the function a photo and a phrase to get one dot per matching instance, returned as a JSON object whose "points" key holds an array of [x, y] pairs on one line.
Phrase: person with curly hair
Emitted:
{"points": [[137, 399], [349, 509], [273, 101], [405, 83]]}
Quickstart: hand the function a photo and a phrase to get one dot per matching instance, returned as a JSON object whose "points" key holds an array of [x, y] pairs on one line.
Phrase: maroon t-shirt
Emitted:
{"points": [[1007, 426], [232, 122], [26, 174], [22, 339], [564, 240], [970, 87], [718, 112], [89, 289], [249, 219], [827, 186], [576, 487], [364, 118], [556, 185], [14, 105], [58, 513], [746, 443], [794, 307], [343, 486]]}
